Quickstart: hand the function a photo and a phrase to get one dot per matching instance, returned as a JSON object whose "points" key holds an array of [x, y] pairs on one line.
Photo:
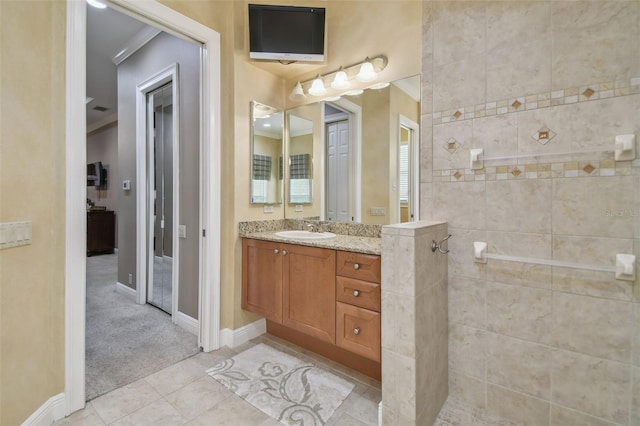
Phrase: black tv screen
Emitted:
{"points": [[286, 33]]}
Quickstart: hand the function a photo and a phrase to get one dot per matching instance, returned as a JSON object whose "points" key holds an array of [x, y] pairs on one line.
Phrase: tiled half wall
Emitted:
{"points": [[414, 323]]}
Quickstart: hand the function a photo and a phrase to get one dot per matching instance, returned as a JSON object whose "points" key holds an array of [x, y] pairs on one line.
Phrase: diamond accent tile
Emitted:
{"points": [[588, 168], [516, 104], [589, 92], [457, 114], [516, 172], [457, 175], [452, 145], [544, 135]]}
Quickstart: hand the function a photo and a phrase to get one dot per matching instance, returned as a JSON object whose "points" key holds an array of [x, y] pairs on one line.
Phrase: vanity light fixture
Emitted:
{"points": [[297, 94], [354, 92], [367, 73], [341, 79], [97, 4], [317, 87]]}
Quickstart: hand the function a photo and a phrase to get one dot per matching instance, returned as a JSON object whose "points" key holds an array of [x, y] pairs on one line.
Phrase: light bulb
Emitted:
{"points": [[367, 73], [317, 87], [297, 94], [340, 81]]}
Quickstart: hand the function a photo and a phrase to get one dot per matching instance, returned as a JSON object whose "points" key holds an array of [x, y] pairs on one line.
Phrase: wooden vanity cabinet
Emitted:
{"points": [[325, 300]]}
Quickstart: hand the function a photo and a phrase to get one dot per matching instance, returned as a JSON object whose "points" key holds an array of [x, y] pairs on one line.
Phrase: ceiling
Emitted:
{"points": [[108, 31]]}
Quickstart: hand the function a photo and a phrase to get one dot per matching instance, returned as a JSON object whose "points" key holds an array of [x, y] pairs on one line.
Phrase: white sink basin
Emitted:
{"points": [[305, 235]]}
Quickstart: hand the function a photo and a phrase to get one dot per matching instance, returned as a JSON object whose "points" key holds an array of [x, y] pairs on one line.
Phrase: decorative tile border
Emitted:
{"points": [[541, 171], [570, 95]]}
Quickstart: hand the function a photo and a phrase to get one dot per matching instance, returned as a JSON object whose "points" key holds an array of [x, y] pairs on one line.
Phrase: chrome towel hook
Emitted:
{"points": [[438, 246]]}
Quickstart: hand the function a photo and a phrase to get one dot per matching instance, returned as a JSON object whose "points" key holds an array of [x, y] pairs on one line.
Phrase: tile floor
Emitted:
{"points": [[183, 394]]}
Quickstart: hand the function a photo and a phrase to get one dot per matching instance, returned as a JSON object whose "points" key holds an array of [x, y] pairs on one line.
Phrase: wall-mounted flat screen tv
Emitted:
{"points": [[286, 33]]}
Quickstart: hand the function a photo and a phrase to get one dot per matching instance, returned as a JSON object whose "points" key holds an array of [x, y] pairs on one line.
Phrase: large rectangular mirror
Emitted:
{"points": [[365, 156], [266, 154]]}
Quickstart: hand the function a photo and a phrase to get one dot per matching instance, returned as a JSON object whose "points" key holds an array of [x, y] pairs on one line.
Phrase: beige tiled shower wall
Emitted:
{"points": [[536, 344]]}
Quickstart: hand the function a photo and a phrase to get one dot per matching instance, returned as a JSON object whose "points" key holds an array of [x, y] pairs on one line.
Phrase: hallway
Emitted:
{"points": [[125, 341]]}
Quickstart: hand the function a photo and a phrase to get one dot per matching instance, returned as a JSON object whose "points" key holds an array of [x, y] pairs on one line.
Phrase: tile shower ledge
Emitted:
{"points": [[368, 245]]}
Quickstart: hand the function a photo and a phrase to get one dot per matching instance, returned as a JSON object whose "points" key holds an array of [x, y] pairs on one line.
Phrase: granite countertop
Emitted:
{"points": [[354, 243]]}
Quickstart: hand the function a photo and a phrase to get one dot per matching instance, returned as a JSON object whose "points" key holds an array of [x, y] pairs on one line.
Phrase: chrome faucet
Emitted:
{"points": [[313, 227]]}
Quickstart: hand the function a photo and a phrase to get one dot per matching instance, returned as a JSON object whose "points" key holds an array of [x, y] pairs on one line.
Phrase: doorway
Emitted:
{"points": [[75, 232], [342, 157], [338, 160]]}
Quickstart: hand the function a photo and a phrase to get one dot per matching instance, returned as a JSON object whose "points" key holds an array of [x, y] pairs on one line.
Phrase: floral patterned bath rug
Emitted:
{"points": [[289, 390]]}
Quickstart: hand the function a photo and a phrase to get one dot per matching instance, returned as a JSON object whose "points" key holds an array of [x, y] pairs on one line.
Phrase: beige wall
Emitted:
{"points": [[536, 344], [32, 163]]}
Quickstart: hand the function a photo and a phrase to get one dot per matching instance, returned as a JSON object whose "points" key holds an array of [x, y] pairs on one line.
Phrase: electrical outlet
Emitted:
{"points": [[267, 209], [182, 231], [378, 211], [298, 207]]}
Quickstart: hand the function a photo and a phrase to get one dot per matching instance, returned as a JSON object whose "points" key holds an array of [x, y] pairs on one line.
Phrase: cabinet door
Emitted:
{"points": [[309, 291], [358, 330], [262, 278]]}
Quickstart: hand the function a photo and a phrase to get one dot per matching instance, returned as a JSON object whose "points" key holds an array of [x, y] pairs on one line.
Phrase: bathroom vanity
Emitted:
{"points": [[321, 295]]}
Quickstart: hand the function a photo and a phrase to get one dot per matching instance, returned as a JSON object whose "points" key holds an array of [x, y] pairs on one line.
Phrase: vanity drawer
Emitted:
{"points": [[359, 266], [359, 293], [358, 330]]}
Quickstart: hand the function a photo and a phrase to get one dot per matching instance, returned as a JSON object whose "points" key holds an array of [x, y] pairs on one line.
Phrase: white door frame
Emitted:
{"points": [[75, 179], [414, 161], [144, 164]]}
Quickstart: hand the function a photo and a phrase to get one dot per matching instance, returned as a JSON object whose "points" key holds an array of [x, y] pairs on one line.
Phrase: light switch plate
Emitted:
{"points": [[182, 231], [14, 234], [267, 209], [378, 211]]}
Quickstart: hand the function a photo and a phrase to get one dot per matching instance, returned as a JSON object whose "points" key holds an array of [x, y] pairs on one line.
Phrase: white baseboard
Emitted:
{"points": [[188, 323], [233, 338], [48, 412], [126, 291]]}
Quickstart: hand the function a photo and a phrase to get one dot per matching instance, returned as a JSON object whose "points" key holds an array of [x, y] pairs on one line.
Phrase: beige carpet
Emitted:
{"points": [[282, 386], [126, 341]]}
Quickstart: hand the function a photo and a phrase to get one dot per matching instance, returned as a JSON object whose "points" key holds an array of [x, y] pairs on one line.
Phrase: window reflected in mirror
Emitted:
{"points": [[300, 160], [266, 154]]}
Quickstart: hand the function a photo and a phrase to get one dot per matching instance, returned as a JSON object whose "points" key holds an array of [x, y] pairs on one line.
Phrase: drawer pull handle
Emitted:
{"points": [[276, 251], [356, 331], [356, 293], [356, 266], [284, 252]]}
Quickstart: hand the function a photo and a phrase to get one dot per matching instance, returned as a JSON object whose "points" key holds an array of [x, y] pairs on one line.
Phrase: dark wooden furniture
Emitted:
{"points": [[101, 232]]}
